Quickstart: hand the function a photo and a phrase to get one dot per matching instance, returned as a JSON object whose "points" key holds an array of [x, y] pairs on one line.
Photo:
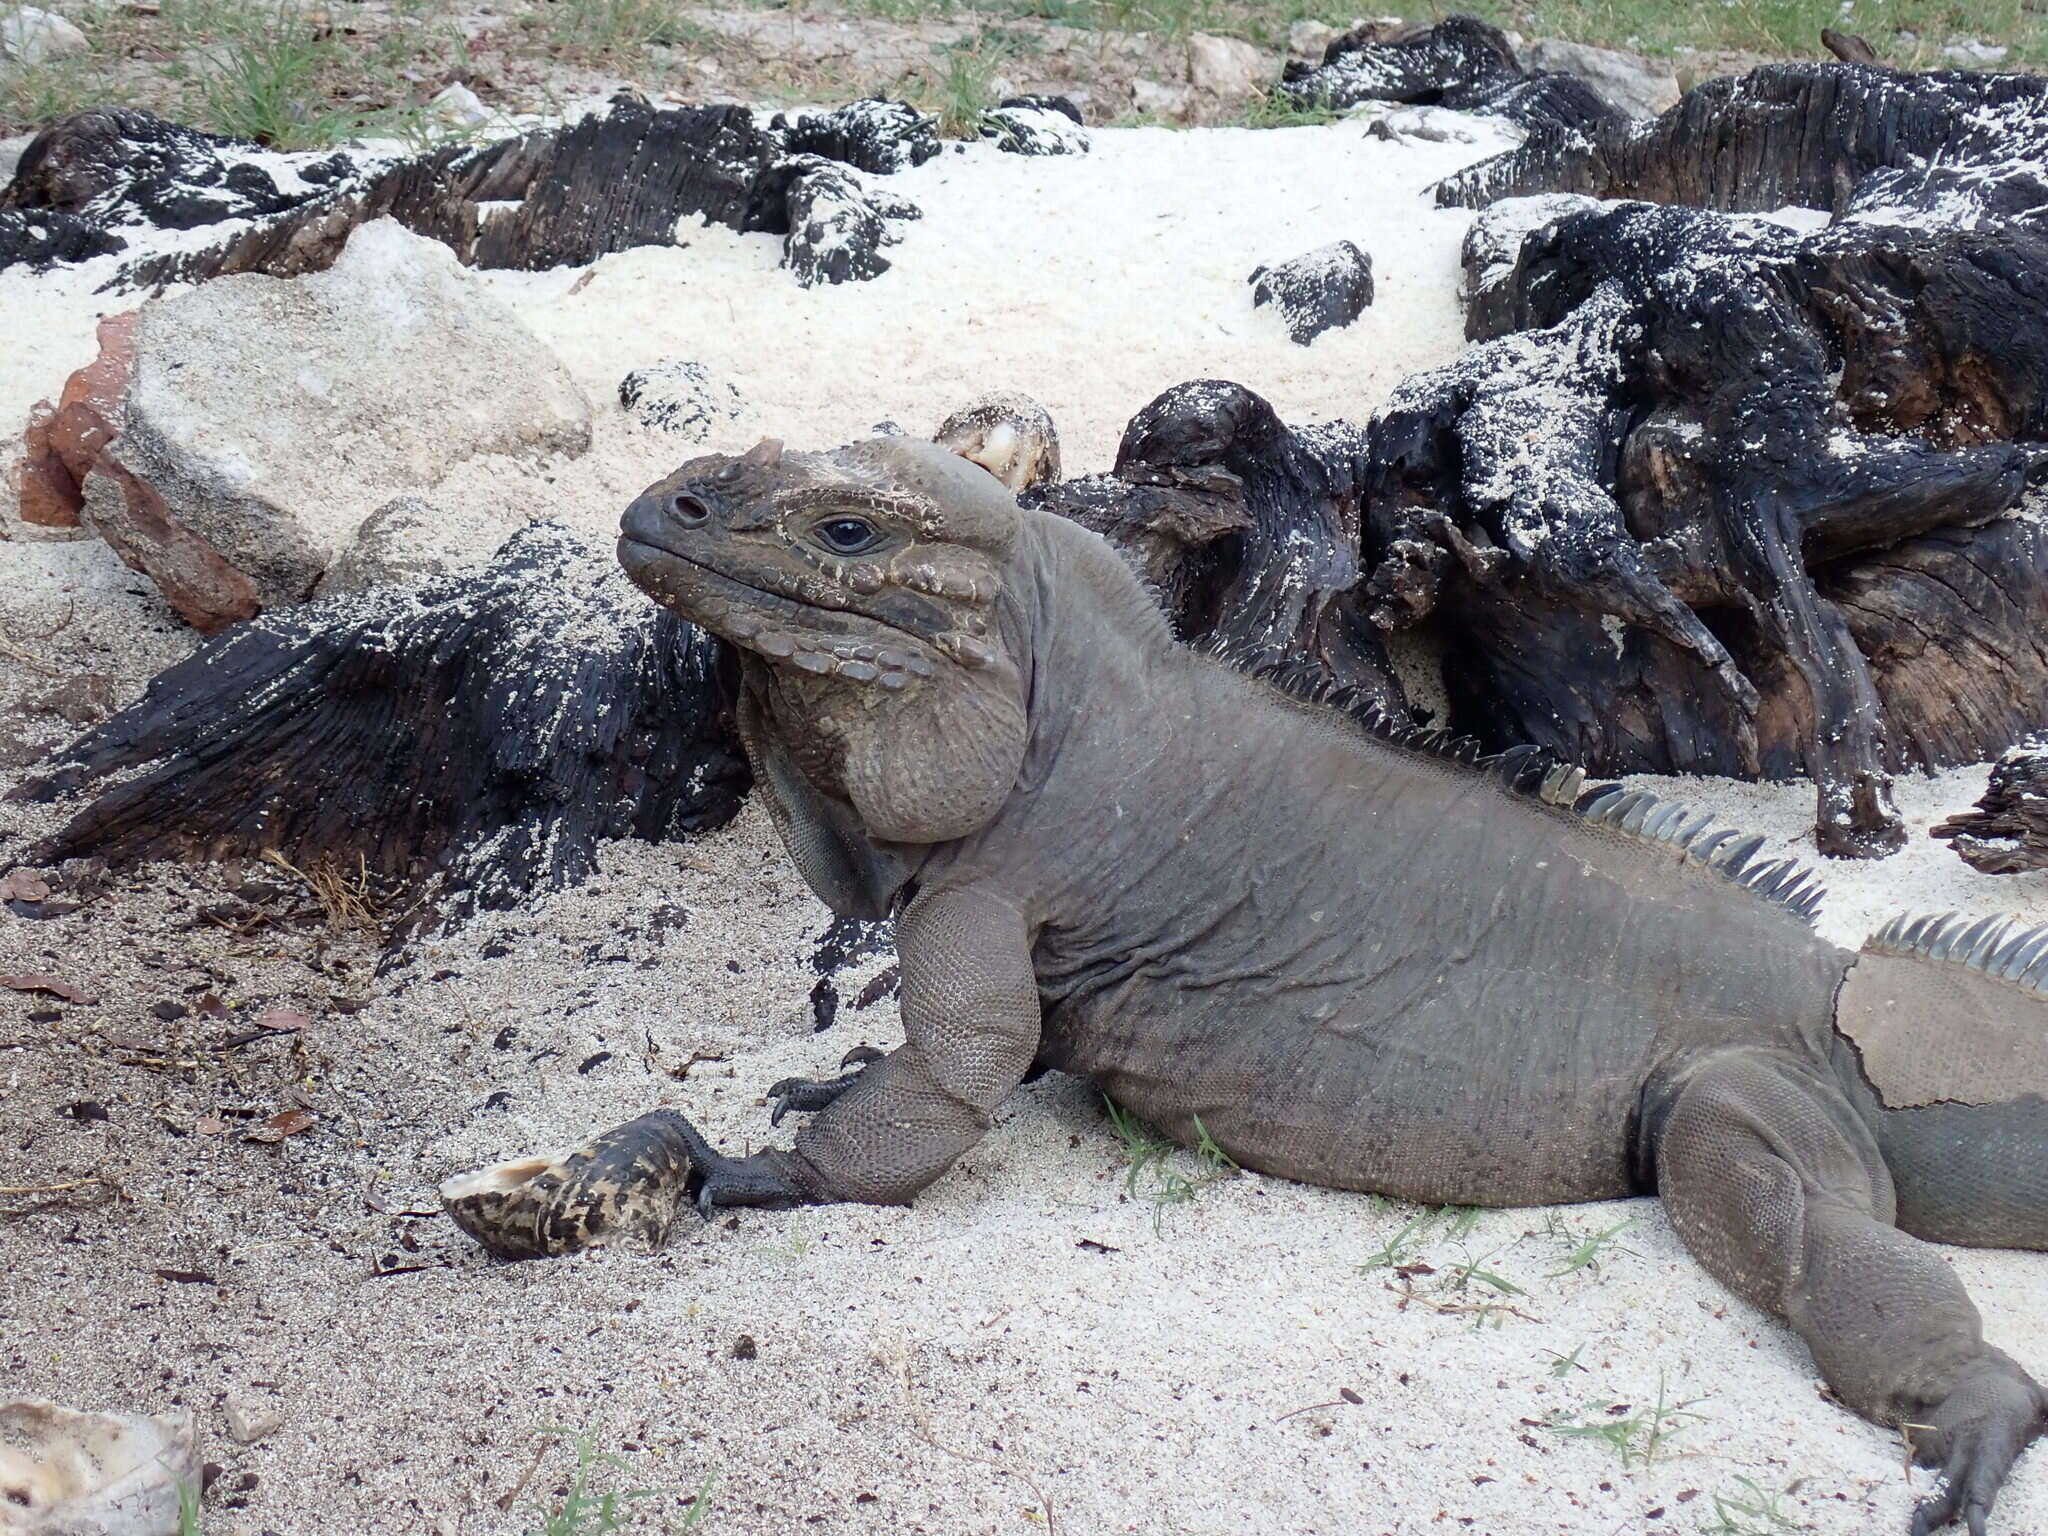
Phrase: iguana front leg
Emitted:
{"points": [[970, 1025], [1779, 1190]]}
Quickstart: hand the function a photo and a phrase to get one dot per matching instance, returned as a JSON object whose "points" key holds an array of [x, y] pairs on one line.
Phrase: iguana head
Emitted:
{"points": [[872, 587]]}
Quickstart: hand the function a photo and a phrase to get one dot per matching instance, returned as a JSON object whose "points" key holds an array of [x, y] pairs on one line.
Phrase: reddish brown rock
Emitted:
{"points": [[64, 441]]}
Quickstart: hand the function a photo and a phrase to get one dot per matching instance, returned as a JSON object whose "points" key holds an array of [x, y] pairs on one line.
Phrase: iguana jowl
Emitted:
{"points": [[1358, 960]]}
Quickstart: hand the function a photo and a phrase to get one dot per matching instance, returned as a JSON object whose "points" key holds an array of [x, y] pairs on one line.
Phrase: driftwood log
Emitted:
{"points": [[470, 739]]}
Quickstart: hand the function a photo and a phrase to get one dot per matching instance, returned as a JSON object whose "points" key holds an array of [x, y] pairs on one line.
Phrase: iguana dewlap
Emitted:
{"points": [[1358, 960]]}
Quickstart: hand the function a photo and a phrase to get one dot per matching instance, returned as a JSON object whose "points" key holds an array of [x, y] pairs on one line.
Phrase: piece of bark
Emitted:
{"points": [[474, 737], [2007, 832], [1848, 47]]}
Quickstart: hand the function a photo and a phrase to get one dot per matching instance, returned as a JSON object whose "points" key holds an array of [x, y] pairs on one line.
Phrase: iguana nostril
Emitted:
{"points": [[689, 511]]}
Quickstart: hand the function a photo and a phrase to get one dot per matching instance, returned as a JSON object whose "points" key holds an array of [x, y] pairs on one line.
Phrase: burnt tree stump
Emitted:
{"points": [[470, 739], [1718, 494]]}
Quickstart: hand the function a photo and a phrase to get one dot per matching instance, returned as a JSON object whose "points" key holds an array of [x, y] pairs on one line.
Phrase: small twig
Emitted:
{"points": [[1310, 1408], [505, 1501], [48, 1189], [29, 658]]}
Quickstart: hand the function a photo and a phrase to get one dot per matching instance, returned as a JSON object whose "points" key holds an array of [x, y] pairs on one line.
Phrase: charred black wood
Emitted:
{"points": [[875, 135], [471, 739], [2007, 832], [1460, 63], [552, 197], [1319, 291], [1841, 137], [1691, 503], [1036, 125], [838, 224], [1249, 532]]}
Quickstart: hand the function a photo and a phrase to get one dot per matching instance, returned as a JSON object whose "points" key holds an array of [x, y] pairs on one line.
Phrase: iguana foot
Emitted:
{"points": [[1974, 1436], [766, 1179], [809, 1094]]}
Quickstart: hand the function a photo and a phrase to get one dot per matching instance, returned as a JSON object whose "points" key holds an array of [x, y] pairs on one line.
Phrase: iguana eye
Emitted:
{"points": [[847, 535]]}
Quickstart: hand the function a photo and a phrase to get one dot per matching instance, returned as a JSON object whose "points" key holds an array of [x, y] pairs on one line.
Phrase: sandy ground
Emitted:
{"points": [[1038, 1342]]}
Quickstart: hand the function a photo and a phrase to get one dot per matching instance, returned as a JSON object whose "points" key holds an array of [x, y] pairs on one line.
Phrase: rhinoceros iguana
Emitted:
{"points": [[1350, 955]]}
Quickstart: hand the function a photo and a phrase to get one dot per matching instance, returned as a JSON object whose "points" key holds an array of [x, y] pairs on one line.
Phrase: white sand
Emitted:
{"points": [[941, 1369]]}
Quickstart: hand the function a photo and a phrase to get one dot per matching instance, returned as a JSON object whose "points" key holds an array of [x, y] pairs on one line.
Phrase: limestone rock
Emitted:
{"points": [[460, 107], [1320, 291], [1974, 53], [265, 418], [32, 36], [10, 154], [1160, 100], [1307, 38], [1625, 80], [409, 539], [1227, 68]]}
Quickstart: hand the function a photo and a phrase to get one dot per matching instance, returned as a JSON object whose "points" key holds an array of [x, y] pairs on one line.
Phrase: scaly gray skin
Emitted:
{"points": [[1358, 961]]}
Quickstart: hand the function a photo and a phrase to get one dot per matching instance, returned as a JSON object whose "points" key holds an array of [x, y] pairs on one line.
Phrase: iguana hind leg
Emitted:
{"points": [[1778, 1188]]}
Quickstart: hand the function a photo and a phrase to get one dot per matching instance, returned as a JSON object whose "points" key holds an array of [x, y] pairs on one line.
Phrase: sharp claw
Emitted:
{"points": [[860, 1055]]}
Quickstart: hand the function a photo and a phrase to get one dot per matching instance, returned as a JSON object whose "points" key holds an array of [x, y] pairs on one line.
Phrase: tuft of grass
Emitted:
{"points": [[1752, 1512], [1150, 1176], [349, 902], [618, 31], [1634, 1437], [268, 85], [188, 1510], [1587, 1252], [1397, 1250], [1273, 110], [584, 1511]]}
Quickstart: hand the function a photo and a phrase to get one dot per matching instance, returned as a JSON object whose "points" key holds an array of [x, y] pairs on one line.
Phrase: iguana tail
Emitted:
{"points": [[1942, 1047]]}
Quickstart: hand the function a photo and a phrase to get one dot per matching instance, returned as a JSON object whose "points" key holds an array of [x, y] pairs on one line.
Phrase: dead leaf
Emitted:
{"points": [[289, 1123], [283, 1021], [212, 1006], [24, 885], [55, 986]]}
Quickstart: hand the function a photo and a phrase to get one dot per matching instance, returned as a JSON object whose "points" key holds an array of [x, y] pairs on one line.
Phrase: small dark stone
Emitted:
{"points": [[84, 1110], [1320, 291], [505, 1038], [590, 1063], [169, 1012], [498, 1100], [45, 1016], [824, 1004], [744, 1347]]}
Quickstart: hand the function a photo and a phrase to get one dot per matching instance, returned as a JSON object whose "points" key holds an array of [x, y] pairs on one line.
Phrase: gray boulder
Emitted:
{"points": [[265, 418], [1627, 81]]}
